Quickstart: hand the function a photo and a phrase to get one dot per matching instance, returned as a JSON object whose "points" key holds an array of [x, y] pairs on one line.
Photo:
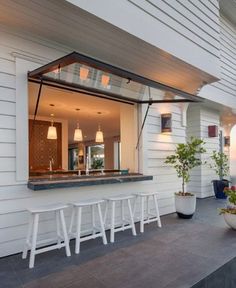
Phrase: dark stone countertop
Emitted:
{"points": [[79, 181]]}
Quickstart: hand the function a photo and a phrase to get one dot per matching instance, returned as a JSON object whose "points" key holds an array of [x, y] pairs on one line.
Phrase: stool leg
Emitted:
{"points": [[78, 230], [27, 242], [148, 214], [105, 213], [104, 238], [142, 216], [122, 204], [58, 227], [131, 218], [112, 233], [65, 235], [93, 219], [157, 211], [71, 222], [34, 239], [134, 207]]}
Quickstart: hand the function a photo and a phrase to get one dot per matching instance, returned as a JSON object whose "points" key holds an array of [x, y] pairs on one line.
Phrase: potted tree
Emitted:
{"points": [[221, 167], [185, 158], [230, 211]]}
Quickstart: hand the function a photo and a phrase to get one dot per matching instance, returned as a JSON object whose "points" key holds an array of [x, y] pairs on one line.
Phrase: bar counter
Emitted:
{"points": [[64, 181]]}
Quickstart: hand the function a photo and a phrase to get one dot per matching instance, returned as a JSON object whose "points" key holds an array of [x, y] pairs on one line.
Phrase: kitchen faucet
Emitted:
{"points": [[51, 162]]}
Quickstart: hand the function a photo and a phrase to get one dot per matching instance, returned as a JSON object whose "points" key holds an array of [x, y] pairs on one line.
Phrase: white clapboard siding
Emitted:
{"points": [[7, 135], [227, 58], [202, 176], [158, 147], [7, 94]]}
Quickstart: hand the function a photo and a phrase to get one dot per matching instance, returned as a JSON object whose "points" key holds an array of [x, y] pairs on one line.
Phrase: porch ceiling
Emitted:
{"points": [[70, 26]]}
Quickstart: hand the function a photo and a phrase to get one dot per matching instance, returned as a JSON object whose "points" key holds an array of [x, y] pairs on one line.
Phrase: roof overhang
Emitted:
{"points": [[64, 73]]}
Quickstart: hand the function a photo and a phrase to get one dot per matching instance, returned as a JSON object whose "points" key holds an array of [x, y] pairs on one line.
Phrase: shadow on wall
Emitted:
{"points": [[233, 154]]}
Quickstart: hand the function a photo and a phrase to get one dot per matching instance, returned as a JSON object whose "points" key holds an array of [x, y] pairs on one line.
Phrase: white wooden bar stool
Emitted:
{"points": [[125, 223], [96, 231], [149, 217], [31, 240]]}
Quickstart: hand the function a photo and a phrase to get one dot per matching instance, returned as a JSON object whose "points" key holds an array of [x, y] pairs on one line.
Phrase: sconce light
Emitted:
{"points": [[227, 141], [212, 131], [83, 73], [166, 122]]}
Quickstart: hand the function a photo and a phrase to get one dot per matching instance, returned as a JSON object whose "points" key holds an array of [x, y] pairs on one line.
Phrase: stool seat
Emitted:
{"points": [[47, 208], [87, 202], [145, 194], [120, 197]]}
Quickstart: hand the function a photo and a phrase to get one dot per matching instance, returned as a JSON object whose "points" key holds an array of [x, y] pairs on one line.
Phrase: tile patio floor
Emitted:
{"points": [[176, 256]]}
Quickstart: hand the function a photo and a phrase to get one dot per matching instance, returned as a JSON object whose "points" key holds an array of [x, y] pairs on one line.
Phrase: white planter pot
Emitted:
{"points": [[230, 219], [230, 205], [185, 206]]}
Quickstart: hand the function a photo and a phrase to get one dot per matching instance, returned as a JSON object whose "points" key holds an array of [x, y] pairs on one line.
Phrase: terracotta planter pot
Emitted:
{"points": [[185, 206]]}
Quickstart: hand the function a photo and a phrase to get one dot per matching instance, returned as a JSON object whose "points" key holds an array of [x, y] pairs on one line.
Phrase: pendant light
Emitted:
{"points": [[52, 131], [99, 133], [78, 136]]}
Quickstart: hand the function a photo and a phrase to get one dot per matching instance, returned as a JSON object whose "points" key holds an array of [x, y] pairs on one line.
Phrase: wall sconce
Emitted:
{"points": [[166, 122], [227, 141], [213, 131]]}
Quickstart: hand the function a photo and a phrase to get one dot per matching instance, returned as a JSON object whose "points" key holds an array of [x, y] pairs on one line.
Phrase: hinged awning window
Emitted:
{"points": [[84, 74]]}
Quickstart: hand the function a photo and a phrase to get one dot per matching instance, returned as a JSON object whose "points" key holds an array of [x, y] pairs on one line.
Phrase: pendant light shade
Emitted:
{"points": [[99, 136], [78, 136], [83, 73], [52, 132]]}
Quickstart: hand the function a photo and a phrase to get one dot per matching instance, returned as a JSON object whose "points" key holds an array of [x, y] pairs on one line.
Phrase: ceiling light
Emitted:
{"points": [[105, 80], [57, 70], [83, 73]]}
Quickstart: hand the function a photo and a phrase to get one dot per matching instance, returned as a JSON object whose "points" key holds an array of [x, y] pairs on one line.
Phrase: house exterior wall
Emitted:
{"points": [[193, 25], [190, 25], [198, 119], [15, 197], [224, 91]]}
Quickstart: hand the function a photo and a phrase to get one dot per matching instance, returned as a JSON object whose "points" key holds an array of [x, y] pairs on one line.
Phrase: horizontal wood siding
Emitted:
{"points": [[157, 146], [227, 84], [194, 20], [199, 118]]}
